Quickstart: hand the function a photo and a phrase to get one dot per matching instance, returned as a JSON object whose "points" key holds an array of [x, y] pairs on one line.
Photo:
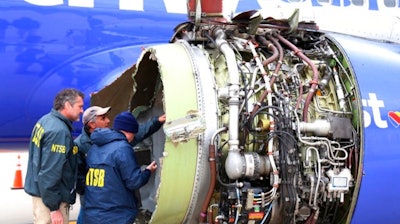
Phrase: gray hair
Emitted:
{"points": [[66, 95]]}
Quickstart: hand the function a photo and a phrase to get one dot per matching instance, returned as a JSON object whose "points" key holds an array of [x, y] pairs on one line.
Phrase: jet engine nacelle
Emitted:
{"points": [[264, 123]]}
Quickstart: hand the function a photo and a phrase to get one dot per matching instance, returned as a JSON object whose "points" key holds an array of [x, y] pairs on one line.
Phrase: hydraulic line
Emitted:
{"points": [[211, 159], [211, 156], [268, 90], [313, 82], [279, 62]]}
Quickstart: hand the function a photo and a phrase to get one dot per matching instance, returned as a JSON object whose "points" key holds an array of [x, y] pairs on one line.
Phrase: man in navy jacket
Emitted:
{"points": [[93, 117], [51, 172], [113, 172]]}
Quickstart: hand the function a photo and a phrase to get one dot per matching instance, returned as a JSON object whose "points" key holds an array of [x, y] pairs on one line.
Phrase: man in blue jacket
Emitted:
{"points": [[113, 172], [93, 117], [51, 172]]}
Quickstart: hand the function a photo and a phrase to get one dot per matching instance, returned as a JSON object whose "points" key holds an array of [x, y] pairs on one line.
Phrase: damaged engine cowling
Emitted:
{"points": [[264, 124]]}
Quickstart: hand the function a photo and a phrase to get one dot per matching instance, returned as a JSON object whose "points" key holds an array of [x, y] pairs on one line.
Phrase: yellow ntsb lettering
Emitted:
{"points": [[75, 149], [37, 134], [58, 148], [95, 177]]}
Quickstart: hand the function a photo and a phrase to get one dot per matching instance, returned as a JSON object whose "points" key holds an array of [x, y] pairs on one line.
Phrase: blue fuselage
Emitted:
{"points": [[46, 48]]}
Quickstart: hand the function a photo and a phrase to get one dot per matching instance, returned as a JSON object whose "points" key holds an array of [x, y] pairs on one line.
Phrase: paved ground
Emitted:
{"points": [[16, 205]]}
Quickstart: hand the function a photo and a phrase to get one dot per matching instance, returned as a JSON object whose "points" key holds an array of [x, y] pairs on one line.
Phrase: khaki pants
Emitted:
{"points": [[41, 213]]}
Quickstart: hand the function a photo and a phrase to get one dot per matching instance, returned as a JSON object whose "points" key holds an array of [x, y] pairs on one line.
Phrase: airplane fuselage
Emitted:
{"points": [[53, 44]]}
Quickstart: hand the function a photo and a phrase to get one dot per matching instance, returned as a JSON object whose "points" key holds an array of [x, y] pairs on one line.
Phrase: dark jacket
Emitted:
{"points": [[84, 143], [113, 176], [51, 171], [146, 130]]}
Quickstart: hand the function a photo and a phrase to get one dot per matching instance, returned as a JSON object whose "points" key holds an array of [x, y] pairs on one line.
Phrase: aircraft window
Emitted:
{"points": [[358, 2], [390, 3]]}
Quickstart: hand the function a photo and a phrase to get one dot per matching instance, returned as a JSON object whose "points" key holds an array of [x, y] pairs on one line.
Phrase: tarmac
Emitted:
{"points": [[15, 204]]}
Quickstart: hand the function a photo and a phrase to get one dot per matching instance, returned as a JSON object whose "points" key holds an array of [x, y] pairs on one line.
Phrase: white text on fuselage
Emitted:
{"points": [[179, 6], [372, 111]]}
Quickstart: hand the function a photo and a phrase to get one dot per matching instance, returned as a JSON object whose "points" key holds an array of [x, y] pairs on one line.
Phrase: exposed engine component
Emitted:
{"points": [[276, 137]]}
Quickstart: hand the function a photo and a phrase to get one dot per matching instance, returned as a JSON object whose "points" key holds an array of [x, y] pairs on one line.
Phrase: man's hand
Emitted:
{"points": [[152, 167], [162, 118], [56, 217]]}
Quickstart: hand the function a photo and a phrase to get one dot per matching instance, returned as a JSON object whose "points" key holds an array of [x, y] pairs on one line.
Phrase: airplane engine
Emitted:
{"points": [[264, 124]]}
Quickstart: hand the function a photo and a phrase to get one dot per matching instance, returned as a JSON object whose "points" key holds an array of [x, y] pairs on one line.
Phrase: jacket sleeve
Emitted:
{"points": [[146, 130], [53, 159], [81, 176], [131, 173]]}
